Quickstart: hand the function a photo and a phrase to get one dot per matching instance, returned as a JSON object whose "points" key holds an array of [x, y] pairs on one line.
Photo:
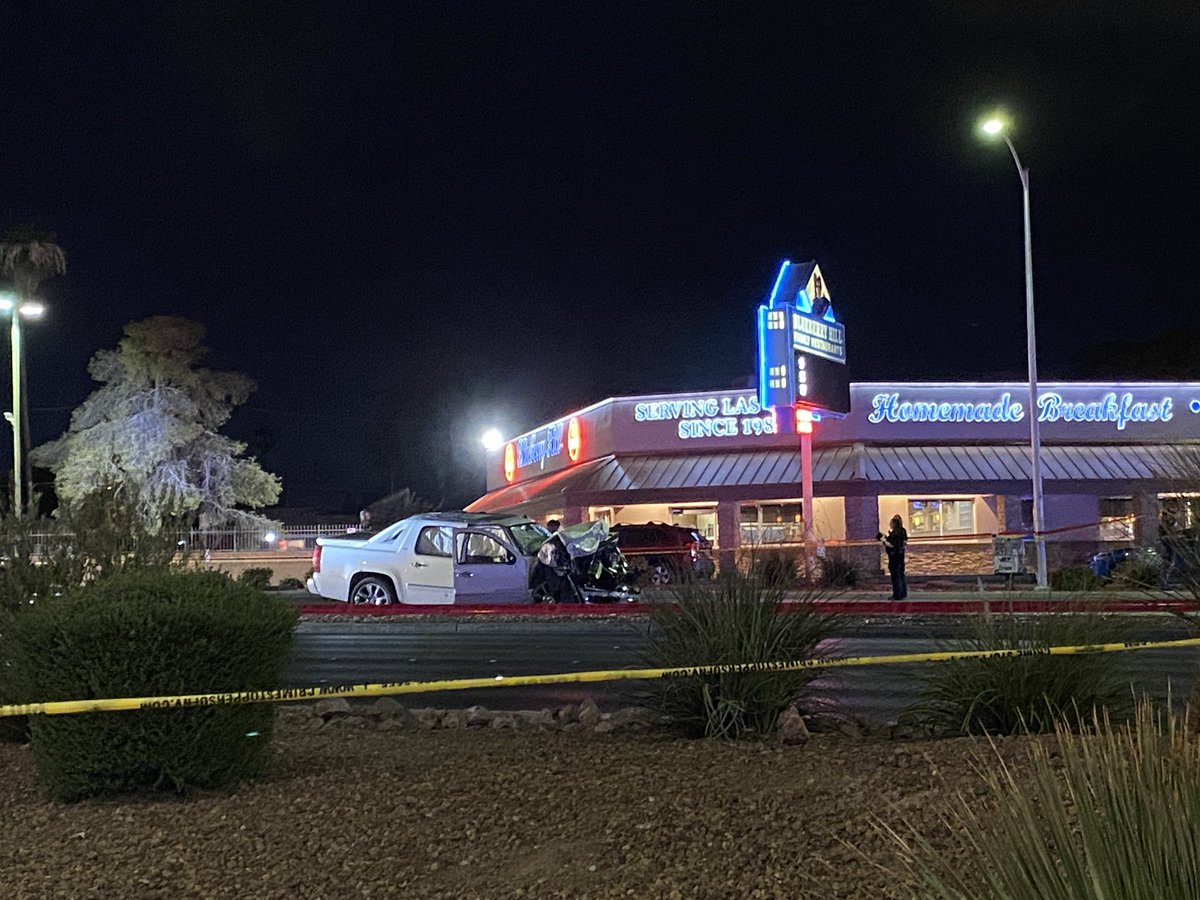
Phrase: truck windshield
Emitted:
{"points": [[528, 537]]}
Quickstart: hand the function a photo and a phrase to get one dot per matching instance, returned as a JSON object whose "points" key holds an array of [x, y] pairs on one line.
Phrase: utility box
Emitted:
{"points": [[1008, 555]]}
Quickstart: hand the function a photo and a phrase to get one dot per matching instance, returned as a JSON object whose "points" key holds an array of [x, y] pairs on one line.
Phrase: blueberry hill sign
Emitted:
{"points": [[801, 344]]}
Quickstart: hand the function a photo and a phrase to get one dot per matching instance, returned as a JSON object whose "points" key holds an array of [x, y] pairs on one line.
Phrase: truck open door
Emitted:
{"points": [[487, 569]]}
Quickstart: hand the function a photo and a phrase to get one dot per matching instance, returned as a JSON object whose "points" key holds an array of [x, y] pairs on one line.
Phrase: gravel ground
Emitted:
{"points": [[359, 811]]}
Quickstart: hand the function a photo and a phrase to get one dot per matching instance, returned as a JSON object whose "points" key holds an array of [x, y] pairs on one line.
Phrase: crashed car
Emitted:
{"points": [[581, 564], [444, 558]]}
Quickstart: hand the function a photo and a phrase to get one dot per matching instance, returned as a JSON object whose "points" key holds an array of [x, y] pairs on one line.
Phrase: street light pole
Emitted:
{"points": [[998, 126], [18, 464], [17, 308]]}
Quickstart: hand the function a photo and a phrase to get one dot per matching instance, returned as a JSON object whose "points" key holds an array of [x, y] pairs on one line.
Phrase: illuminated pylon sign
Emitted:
{"points": [[801, 344]]}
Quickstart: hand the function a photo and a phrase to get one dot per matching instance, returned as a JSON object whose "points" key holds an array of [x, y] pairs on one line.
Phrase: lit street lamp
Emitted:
{"points": [[997, 126], [18, 310], [492, 439]]}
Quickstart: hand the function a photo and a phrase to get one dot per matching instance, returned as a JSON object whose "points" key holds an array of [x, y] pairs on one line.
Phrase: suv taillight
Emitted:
{"points": [[317, 559], [692, 547]]}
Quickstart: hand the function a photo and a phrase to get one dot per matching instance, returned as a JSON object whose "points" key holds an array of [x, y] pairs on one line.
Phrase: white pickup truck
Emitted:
{"points": [[434, 558]]}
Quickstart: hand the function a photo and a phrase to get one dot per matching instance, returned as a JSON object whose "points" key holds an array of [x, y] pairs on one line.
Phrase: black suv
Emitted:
{"points": [[667, 553]]}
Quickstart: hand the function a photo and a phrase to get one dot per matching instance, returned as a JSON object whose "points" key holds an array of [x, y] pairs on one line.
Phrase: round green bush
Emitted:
{"points": [[838, 571], [1074, 579], [257, 578], [141, 634], [1138, 573]]}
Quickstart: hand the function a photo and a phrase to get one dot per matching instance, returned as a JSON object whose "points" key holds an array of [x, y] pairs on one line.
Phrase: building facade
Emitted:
{"points": [[952, 459]]}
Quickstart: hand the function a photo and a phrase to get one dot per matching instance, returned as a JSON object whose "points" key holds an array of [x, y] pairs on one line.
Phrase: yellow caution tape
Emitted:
{"points": [[383, 689]]}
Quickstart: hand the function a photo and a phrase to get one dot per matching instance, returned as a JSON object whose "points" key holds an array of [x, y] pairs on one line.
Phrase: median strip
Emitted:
{"points": [[286, 695]]}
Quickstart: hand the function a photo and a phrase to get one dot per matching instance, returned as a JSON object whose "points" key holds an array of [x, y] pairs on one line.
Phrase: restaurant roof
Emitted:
{"points": [[621, 479]]}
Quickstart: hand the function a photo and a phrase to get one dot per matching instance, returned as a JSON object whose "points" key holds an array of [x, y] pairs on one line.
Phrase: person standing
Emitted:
{"points": [[894, 543]]}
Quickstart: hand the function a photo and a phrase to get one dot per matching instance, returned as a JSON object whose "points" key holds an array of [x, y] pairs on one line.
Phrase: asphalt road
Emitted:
{"points": [[340, 653]]}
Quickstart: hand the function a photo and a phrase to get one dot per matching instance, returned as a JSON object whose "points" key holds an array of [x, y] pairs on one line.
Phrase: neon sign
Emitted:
{"points": [[1119, 410], [890, 408], [1052, 408], [574, 440], [710, 417], [538, 446], [801, 344], [510, 462]]}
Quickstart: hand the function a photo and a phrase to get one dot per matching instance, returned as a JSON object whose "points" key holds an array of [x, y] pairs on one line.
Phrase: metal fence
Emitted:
{"points": [[292, 539]]}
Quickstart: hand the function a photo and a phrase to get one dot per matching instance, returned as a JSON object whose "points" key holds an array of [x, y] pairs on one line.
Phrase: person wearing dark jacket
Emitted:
{"points": [[893, 543]]}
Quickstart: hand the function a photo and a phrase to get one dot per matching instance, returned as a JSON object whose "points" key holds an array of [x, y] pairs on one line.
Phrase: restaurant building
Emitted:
{"points": [[952, 459]]}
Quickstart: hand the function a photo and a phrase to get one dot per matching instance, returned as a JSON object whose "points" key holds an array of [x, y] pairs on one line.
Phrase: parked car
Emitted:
{"points": [[1103, 563], [667, 553], [433, 558]]}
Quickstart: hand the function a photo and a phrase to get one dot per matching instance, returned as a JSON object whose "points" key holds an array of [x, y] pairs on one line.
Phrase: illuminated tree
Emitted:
{"points": [[29, 256], [151, 432]]}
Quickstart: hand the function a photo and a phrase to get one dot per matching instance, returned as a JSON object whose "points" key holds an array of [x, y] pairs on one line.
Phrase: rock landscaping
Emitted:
{"points": [[378, 800]]}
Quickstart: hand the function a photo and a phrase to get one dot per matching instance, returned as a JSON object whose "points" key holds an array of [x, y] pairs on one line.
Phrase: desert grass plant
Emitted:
{"points": [[1031, 692], [1111, 812], [736, 619]]}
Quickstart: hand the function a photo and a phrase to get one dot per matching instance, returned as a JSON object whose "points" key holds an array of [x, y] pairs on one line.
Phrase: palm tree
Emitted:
{"points": [[28, 256]]}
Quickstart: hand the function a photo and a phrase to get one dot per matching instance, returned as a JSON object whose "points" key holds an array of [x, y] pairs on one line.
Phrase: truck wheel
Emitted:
{"points": [[372, 591], [660, 573]]}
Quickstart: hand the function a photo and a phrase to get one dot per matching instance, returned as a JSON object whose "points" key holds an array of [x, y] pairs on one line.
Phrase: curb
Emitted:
{"points": [[833, 607]]}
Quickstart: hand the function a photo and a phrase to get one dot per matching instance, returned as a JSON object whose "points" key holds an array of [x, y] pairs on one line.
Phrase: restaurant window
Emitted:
{"points": [[939, 517], [1116, 518], [772, 523]]}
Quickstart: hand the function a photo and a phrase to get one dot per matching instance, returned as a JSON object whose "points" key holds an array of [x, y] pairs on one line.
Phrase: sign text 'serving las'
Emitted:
{"points": [[702, 417]]}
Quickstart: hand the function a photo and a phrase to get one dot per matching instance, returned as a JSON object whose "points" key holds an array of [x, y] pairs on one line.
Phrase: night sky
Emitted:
{"points": [[407, 221]]}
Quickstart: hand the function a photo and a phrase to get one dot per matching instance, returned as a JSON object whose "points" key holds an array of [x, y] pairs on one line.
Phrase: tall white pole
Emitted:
{"points": [[15, 332], [1035, 440]]}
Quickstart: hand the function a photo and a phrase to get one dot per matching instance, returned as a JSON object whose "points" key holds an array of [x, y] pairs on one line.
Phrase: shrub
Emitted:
{"points": [[1138, 573], [737, 619], [291, 584], [147, 634], [94, 538], [1009, 695], [259, 579], [838, 571], [774, 568], [1074, 579], [1112, 813], [42, 559]]}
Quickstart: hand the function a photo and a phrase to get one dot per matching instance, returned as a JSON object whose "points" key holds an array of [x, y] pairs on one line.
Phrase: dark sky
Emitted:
{"points": [[409, 220]]}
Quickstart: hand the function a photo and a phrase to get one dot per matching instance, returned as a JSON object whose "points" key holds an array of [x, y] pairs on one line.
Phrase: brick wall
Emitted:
{"points": [[976, 559]]}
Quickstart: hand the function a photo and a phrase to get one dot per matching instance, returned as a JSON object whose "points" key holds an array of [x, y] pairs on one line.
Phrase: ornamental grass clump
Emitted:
{"points": [[150, 633], [1031, 692], [1112, 812], [737, 619]]}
